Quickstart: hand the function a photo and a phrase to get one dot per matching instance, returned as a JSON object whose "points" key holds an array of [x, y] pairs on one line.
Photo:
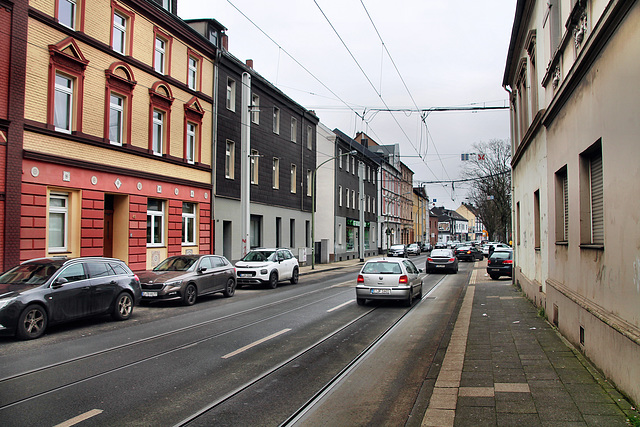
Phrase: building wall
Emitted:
{"points": [[588, 289], [326, 188]]}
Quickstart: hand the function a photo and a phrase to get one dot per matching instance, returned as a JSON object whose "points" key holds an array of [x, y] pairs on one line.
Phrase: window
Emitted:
{"points": [[276, 120], [116, 116], [155, 222], [353, 199], [58, 222], [591, 196], [255, 232], [254, 166], [255, 109], [340, 195], [309, 182], [63, 112], [293, 178], [192, 73], [190, 148], [188, 223], [231, 94], [158, 132], [518, 237], [562, 205], [536, 219], [165, 4], [67, 13], [348, 198], [229, 160], [294, 129], [276, 173], [348, 156], [310, 137], [340, 158], [159, 57], [119, 36], [292, 233]]}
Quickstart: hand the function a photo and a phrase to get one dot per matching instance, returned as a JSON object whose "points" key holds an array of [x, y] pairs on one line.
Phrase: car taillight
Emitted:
{"points": [[468, 252], [451, 259], [429, 259], [360, 278], [507, 261], [135, 276], [403, 279]]}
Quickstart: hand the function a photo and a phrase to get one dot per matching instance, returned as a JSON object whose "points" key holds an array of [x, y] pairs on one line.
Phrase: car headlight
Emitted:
{"points": [[173, 284], [5, 302]]}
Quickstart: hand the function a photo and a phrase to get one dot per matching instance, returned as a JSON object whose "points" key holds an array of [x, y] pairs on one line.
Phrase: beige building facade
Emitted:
{"points": [[572, 74]]}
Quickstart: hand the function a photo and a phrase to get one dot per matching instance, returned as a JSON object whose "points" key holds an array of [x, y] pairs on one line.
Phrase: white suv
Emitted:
{"points": [[267, 266]]}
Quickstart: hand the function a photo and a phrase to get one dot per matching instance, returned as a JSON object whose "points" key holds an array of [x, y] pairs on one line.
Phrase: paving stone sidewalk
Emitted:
{"points": [[516, 370]]}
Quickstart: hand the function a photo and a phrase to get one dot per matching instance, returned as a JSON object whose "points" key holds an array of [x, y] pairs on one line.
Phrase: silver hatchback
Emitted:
{"points": [[383, 278]]}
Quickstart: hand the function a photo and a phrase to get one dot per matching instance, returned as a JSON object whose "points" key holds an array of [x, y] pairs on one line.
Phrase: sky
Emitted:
{"points": [[351, 61]]}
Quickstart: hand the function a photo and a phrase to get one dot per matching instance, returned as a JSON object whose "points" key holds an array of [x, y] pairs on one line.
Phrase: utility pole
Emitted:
{"points": [[245, 164], [361, 207]]}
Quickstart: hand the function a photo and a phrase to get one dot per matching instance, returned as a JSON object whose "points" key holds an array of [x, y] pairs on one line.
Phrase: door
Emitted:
{"points": [[108, 225], [104, 286], [222, 273], [71, 299], [205, 276]]}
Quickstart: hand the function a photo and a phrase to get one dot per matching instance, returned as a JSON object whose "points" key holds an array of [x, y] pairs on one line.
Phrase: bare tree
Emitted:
{"points": [[490, 192]]}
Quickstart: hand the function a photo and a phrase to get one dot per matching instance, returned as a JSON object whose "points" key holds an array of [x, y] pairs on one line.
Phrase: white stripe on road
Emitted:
{"points": [[255, 343], [80, 418], [340, 306], [340, 285]]}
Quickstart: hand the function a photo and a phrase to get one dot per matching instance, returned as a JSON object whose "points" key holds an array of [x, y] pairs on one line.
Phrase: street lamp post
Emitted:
{"points": [[313, 205]]}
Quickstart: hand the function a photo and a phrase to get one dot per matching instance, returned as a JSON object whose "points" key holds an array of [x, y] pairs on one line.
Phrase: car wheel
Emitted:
{"points": [[230, 289], [408, 300], [294, 276], [32, 322], [123, 307], [190, 294], [273, 280], [361, 301]]}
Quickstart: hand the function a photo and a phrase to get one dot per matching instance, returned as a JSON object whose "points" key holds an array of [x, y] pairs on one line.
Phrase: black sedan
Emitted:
{"points": [[442, 260], [469, 253], [185, 277], [45, 291], [500, 263]]}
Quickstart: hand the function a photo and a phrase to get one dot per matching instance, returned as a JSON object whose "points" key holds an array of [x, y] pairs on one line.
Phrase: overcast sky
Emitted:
{"points": [[448, 53]]}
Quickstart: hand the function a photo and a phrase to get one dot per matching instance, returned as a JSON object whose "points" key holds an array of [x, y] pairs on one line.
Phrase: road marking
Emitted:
{"points": [[255, 343], [339, 285], [340, 306], [80, 418]]}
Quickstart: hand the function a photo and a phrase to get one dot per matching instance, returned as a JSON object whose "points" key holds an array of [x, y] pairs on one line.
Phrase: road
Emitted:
{"points": [[302, 354]]}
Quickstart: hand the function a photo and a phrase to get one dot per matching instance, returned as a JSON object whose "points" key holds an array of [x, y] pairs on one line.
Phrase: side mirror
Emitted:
{"points": [[59, 282], [202, 269]]}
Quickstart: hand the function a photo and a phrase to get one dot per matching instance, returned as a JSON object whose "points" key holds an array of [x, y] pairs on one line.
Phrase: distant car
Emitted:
{"points": [[500, 263], [442, 260], [468, 253], [496, 245], [398, 250], [383, 278], [268, 266], [413, 249], [186, 277], [44, 291], [426, 247], [440, 245]]}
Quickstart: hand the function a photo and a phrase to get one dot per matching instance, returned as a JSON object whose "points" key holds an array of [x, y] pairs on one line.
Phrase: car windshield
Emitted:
{"points": [[31, 273], [382, 267], [178, 263], [260, 256], [444, 253]]}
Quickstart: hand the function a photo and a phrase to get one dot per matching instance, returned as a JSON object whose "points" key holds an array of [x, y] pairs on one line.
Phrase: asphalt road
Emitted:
{"points": [[258, 358]]}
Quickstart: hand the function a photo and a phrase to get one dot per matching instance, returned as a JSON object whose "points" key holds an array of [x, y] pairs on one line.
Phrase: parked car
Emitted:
{"points": [[442, 260], [42, 292], [469, 253], [496, 245], [268, 266], [383, 278], [413, 249], [398, 250], [440, 245], [500, 263], [186, 277]]}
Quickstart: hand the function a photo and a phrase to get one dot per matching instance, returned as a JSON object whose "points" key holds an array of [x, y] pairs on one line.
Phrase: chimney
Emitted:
{"points": [[225, 42], [250, 63]]}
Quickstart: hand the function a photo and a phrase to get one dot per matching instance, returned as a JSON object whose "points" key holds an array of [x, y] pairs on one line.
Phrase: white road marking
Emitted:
{"points": [[340, 285], [340, 306], [80, 418], [255, 343]]}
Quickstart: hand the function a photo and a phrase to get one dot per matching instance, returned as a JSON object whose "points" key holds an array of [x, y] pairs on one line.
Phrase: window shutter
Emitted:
{"points": [[597, 202], [565, 195]]}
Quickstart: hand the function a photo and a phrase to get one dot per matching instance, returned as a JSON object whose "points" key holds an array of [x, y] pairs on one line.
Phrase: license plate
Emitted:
{"points": [[440, 266], [244, 274], [381, 291], [494, 269], [149, 294]]}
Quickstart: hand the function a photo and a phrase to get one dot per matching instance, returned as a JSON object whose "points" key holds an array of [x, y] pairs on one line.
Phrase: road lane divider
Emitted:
{"points": [[80, 418], [255, 343], [340, 306]]}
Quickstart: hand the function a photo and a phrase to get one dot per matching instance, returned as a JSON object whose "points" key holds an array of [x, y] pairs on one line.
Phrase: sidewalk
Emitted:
{"points": [[506, 366], [319, 268]]}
